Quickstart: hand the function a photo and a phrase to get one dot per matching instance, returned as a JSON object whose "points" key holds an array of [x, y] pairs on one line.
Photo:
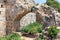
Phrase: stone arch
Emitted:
{"points": [[20, 15], [14, 20], [13, 23], [17, 18]]}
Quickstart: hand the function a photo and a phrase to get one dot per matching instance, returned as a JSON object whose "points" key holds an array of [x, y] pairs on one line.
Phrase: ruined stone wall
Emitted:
{"points": [[16, 13]]}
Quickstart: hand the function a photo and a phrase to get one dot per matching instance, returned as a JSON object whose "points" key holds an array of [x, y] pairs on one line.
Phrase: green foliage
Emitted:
{"points": [[54, 4], [37, 4], [32, 28], [3, 38], [13, 36], [38, 38], [52, 31], [32, 8]]}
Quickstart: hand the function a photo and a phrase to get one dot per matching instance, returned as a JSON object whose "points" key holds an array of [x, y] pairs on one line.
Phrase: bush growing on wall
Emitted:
{"points": [[52, 31], [32, 28], [32, 8]]}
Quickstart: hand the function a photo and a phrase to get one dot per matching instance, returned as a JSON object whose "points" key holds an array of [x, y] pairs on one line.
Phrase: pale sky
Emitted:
{"points": [[42, 1]]}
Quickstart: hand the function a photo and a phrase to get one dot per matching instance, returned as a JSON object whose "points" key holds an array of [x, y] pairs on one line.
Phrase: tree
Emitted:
{"points": [[54, 4]]}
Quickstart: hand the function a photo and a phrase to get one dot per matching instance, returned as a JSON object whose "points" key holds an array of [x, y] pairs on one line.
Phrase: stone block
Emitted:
{"points": [[27, 19], [2, 28]]}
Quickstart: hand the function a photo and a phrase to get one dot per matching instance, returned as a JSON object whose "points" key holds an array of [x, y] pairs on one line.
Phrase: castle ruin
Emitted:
{"points": [[17, 13]]}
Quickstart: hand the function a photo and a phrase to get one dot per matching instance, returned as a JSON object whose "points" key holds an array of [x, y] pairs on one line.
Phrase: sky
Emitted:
{"points": [[42, 1]]}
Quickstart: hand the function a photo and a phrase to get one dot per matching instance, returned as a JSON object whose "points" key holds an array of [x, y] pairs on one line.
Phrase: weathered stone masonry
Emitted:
{"points": [[11, 12], [17, 13]]}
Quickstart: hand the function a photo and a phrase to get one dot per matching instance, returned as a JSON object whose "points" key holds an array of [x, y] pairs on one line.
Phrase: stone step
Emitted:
{"points": [[56, 39], [58, 28]]}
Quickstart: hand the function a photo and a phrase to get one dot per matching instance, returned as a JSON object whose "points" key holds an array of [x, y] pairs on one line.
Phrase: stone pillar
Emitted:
{"points": [[2, 22], [17, 25]]}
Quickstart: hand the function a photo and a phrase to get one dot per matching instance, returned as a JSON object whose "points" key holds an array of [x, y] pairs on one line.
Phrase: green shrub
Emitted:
{"points": [[13, 36], [3, 38], [32, 8], [32, 28], [52, 31]]}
